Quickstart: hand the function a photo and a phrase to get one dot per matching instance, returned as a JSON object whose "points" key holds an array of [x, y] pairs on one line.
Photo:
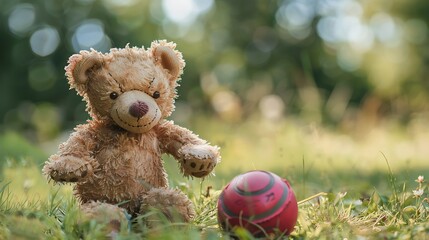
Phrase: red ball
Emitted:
{"points": [[259, 201]]}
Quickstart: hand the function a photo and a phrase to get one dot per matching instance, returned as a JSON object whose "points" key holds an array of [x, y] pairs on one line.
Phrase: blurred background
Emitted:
{"points": [[286, 81]]}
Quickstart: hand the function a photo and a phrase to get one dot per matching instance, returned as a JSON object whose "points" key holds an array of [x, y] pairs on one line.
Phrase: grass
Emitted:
{"points": [[349, 186]]}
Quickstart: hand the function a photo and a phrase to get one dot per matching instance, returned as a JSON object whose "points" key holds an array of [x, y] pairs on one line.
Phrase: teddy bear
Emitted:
{"points": [[114, 160]]}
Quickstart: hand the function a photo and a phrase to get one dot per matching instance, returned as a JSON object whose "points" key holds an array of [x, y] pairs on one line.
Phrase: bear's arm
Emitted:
{"points": [[73, 161], [196, 156]]}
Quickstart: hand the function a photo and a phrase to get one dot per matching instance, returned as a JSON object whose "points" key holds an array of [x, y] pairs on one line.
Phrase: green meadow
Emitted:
{"points": [[354, 186]]}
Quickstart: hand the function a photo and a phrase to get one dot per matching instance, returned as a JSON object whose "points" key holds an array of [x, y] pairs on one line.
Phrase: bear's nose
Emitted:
{"points": [[138, 109]]}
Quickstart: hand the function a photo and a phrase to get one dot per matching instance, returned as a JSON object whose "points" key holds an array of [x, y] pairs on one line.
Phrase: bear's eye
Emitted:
{"points": [[113, 95], [156, 95]]}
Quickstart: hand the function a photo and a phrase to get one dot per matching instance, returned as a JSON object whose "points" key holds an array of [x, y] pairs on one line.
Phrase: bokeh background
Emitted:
{"points": [[300, 87]]}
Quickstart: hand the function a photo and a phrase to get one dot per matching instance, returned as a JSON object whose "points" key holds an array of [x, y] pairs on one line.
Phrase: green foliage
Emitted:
{"points": [[14, 147], [244, 50]]}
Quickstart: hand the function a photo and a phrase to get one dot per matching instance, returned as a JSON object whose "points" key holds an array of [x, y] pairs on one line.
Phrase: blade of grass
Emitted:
{"points": [[392, 181]]}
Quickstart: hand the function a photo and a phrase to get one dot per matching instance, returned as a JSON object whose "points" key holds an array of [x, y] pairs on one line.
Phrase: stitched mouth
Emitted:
{"points": [[139, 125]]}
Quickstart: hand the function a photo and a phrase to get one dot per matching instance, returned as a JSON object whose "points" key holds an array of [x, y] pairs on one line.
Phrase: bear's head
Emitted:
{"points": [[131, 87]]}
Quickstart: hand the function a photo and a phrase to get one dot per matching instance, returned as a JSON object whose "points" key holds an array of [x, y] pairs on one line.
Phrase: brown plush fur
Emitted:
{"points": [[116, 157]]}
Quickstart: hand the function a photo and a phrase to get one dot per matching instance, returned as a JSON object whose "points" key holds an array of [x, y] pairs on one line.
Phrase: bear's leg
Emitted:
{"points": [[174, 204], [113, 217]]}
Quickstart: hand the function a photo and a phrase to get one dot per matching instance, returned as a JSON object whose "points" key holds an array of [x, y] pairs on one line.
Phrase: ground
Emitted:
{"points": [[350, 186]]}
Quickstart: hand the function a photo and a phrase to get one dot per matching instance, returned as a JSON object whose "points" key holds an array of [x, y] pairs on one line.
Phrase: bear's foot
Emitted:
{"points": [[173, 204], [111, 216]]}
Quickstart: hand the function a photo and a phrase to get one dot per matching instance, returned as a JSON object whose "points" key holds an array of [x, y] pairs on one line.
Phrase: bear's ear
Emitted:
{"points": [[80, 65], [167, 57]]}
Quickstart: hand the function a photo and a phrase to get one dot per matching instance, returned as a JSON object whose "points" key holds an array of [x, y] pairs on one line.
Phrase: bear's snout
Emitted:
{"points": [[138, 109], [135, 111]]}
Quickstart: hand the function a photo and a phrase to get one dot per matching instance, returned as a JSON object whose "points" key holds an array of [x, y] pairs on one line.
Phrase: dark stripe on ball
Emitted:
{"points": [[260, 216], [258, 192]]}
